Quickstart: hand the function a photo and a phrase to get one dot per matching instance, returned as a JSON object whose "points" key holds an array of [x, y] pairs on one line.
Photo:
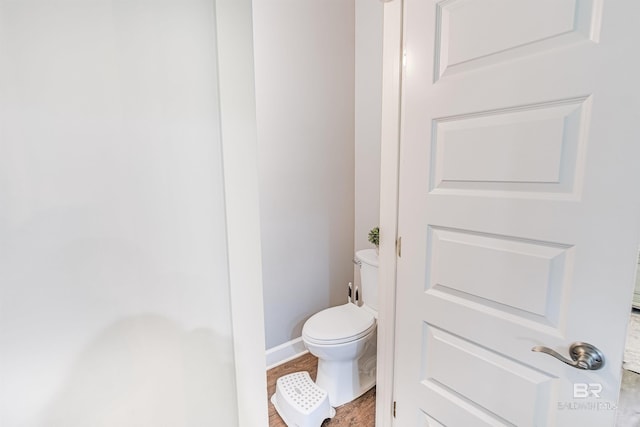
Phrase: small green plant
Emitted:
{"points": [[374, 236]]}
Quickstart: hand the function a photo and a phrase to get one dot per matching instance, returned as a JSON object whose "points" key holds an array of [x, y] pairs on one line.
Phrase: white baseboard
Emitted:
{"points": [[284, 352]]}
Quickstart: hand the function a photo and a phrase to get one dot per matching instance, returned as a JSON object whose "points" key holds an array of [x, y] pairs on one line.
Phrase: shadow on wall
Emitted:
{"points": [[146, 371]]}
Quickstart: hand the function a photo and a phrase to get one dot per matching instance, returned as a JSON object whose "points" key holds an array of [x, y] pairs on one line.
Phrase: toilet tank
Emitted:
{"points": [[369, 277]]}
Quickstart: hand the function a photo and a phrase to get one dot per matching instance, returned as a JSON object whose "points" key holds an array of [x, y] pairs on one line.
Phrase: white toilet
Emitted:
{"points": [[343, 338]]}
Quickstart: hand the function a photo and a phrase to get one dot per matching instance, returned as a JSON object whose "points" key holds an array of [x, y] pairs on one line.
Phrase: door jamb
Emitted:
{"points": [[234, 32], [392, 65]]}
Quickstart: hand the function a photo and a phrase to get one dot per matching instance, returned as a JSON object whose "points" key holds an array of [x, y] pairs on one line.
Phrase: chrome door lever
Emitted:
{"points": [[583, 355]]}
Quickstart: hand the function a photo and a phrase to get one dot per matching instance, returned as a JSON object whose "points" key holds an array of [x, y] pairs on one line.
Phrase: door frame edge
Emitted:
{"points": [[389, 180], [236, 86]]}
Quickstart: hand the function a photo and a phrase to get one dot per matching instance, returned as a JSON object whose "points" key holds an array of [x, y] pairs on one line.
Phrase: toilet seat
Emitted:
{"points": [[338, 325]]}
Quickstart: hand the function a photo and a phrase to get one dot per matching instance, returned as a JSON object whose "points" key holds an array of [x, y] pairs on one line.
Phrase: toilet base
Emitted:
{"points": [[346, 380]]}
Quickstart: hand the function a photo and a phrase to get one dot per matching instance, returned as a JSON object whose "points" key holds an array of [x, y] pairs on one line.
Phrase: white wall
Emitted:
{"points": [[114, 305], [304, 59], [368, 110]]}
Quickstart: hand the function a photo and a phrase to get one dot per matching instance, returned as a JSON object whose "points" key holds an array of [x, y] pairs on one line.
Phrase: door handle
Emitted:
{"points": [[583, 355]]}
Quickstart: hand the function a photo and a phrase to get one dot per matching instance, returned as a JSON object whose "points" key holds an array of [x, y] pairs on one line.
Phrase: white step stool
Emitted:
{"points": [[300, 402]]}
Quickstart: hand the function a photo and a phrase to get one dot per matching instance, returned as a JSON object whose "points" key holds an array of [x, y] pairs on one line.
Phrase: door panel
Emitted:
{"points": [[526, 149], [517, 209], [518, 277], [451, 360], [476, 33]]}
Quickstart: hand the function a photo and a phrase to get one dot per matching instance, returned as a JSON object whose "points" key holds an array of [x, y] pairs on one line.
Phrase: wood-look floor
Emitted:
{"points": [[359, 413]]}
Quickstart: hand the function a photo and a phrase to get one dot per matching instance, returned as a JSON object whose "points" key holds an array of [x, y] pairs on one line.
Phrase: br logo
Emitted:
{"points": [[584, 390]]}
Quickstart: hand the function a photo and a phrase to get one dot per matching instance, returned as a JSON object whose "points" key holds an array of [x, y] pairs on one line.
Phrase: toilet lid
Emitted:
{"points": [[339, 324]]}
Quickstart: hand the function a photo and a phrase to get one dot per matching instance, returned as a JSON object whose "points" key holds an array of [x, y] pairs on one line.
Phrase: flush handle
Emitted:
{"points": [[583, 356]]}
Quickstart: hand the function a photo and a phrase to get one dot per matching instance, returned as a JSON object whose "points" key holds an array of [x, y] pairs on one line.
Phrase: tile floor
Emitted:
{"points": [[632, 349], [629, 403]]}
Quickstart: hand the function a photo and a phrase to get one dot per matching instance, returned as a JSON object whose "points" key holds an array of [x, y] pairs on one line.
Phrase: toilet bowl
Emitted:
{"points": [[343, 338]]}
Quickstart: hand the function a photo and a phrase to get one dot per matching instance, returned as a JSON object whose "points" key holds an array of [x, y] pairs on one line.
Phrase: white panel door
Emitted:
{"points": [[518, 209]]}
